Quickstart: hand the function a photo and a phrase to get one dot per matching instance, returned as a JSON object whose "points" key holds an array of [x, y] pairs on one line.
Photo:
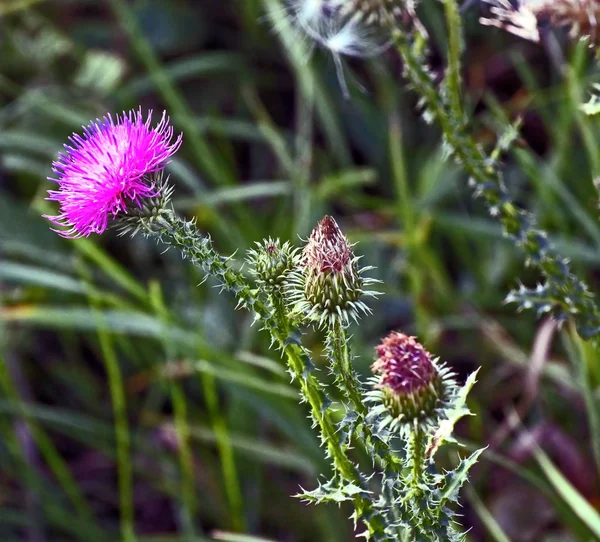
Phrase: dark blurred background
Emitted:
{"points": [[218, 444]]}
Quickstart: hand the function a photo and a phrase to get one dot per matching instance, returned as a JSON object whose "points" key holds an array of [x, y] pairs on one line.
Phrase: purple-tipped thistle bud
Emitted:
{"points": [[328, 284], [272, 262], [410, 383]]}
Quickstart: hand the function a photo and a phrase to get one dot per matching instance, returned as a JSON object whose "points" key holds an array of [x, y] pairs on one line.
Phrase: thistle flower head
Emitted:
{"points": [[106, 170], [524, 17], [410, 384], [328, 284], [272, 262]]}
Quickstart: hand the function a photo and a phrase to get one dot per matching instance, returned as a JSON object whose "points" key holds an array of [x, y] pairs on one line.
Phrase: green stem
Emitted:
{"points": [[341, 365], [564, 291], [312, 391], [350, 387], [416, 469], [455, 46], [418, 455]]}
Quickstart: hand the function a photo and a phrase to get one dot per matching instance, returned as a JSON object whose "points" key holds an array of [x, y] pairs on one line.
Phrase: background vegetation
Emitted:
{"points": [[215, 440]]}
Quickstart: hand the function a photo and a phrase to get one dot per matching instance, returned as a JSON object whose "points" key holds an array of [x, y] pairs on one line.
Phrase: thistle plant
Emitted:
{"points": [[417, 396], [113, 176]]}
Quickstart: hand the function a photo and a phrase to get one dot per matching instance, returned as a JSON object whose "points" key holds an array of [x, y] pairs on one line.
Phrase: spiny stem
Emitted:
{"points": [[416, 481], [567, 294], [455, 46], [349, 385], [341, 366], [418, 438], [314, 395]]}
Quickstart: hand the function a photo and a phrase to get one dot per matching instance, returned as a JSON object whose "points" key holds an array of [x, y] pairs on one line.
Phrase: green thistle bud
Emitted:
{"points": [[411, 385], [272, 262], [328, 284]]}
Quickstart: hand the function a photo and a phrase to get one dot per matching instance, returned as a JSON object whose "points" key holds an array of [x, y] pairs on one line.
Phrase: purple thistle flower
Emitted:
{"points": [[404, 364], [411, 384], [104, 171]]}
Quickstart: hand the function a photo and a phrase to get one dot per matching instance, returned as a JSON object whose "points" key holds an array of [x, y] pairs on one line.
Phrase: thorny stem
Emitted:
{"points": [[417, 438], [418, 453], [564, 293], [455, 45], [315, 397], [168, 228], [342, 368], [350, 387]]}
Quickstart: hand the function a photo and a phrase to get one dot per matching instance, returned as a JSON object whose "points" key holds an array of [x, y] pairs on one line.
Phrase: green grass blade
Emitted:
{"points": [[578, 505]]}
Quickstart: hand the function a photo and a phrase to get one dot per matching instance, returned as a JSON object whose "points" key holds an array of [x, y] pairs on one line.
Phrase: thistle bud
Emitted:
{"points": [[272, 262], [328, 284], [410, 383]]}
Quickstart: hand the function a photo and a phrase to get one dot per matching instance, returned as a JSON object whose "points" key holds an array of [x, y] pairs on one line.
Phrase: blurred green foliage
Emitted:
{"points": [[215, 441]]}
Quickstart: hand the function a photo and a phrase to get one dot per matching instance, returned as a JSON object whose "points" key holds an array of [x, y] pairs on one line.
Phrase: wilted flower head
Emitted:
{"points": [[524, 17], [106, 170], [328, 283], [272, 262], [410, 384]]}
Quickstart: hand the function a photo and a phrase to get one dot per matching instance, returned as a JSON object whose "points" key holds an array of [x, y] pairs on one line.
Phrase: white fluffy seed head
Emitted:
{"points": [[308, 11], [355, 39], [331, 25], [343, 27]]}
